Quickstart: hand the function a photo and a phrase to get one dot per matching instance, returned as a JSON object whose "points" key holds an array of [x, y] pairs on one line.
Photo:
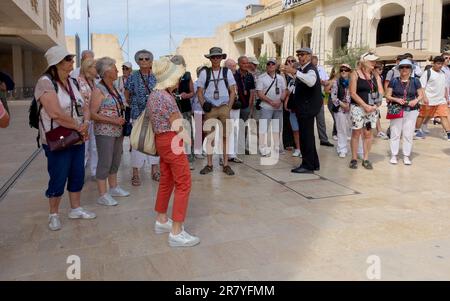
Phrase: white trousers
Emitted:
{"points": [[344, 131], [90, 152], [233, 142], [139, 159], [405, 126]]}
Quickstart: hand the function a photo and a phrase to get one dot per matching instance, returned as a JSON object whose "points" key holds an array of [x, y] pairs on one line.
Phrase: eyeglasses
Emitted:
{"points": [[144, 59], [404, 67], [68, 58]]}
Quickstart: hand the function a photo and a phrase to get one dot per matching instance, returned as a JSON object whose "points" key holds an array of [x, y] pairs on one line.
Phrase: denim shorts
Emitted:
{"points": [[294, 122], [66, 166]]}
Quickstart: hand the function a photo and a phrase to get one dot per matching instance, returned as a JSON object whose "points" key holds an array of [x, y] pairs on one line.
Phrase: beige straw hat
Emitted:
{"points": [[167, 73]]}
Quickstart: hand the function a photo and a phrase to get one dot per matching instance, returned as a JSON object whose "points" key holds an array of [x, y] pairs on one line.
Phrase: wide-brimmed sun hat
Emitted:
{"points": [[167, 73], [56, 54], [405, 62], [143, 52], [216, 51], [346, 66]]}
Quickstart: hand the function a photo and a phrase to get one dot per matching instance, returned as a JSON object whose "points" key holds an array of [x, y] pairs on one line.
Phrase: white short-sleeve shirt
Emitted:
{"points": [[224, 97], [434, 87], [264, 82], [45, 85]]}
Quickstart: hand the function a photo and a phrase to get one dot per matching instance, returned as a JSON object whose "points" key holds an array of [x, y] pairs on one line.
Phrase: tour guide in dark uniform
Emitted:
{"points": [[308, 101]]}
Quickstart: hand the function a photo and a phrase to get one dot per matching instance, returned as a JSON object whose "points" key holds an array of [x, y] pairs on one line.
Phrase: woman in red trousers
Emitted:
{"points": [[175, 171]]}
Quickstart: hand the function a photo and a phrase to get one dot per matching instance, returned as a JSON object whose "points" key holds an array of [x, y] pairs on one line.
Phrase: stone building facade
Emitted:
{"points": [[27, 29], [278, 27]]}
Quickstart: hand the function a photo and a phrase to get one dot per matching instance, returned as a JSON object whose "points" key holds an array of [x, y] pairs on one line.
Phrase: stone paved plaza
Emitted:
{"points": [[263, 224]]}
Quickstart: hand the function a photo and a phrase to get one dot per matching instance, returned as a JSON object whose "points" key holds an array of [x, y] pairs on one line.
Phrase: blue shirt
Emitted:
{"points": [[138, 93]]}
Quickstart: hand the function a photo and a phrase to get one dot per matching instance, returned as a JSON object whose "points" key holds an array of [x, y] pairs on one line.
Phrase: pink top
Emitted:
{"points": [[162, 106]]}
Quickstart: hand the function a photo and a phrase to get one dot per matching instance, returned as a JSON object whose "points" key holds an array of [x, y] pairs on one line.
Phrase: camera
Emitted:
{"points": [[207, 107]]}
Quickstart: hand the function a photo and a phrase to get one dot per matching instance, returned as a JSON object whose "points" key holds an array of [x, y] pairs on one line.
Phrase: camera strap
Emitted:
{"points": [[270, 87]]}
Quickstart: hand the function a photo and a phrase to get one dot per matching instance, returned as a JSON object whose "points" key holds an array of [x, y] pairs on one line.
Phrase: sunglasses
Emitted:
{"points": [[344, 70], [291, 61], [125, 68], [144, 59], [216, 57], [271, 64], [404, 67]]}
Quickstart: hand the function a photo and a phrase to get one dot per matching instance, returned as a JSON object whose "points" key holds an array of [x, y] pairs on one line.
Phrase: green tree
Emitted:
{"points": [[346, 55], [262, 63]]}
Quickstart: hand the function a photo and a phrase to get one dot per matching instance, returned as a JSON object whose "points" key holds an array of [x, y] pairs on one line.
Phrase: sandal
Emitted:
{"points": [[156, 176], [136, 181], [228, 171], [206, 170]]}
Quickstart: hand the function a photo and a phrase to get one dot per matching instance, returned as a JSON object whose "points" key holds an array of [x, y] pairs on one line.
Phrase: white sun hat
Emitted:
{"points": [[369, 57], [167, 73], [56, 54]]}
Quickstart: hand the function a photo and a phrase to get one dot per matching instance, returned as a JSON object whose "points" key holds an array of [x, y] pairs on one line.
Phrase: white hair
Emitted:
{"points": [[87, 53], [104, 64]]}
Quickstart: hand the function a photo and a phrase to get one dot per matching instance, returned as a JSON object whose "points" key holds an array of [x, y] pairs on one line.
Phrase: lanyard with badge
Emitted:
{"points": [[117, 99], [373, 95], [146, 83], [216, 84], [74, 102], [405, 91]]}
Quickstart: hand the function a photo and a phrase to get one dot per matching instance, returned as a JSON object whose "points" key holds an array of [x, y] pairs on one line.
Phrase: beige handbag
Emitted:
{"points": [[142, 136]]}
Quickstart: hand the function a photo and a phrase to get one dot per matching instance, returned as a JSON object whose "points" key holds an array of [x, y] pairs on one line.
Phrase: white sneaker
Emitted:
{"points": [[343, 155], [265, 152], [107, 200], [394, 160], [163, 228], [407, 161], [382, 136], [335, 138], [54, 223], [183, 239], [81, 213], [118, 192], [425, 129], [297, 153]]}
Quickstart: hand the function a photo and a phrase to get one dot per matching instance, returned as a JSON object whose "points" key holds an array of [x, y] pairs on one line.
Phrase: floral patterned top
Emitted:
{"points": [[109, 108], [85, 90], [162, 106], [138, 93]]}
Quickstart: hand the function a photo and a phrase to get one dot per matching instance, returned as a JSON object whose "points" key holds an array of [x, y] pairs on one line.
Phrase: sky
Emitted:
{"points": [[149, 20]]}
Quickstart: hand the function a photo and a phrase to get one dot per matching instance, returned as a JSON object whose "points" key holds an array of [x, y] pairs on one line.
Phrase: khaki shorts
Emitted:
{"points": [[433, 111], [222, 114]]}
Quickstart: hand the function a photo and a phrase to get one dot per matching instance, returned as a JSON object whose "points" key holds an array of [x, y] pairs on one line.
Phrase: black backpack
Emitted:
{"points": [[35, 108], [208, 77]]}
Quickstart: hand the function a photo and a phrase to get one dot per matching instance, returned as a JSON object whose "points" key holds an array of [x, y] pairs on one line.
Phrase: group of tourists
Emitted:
{"points": [[284, 102]]}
